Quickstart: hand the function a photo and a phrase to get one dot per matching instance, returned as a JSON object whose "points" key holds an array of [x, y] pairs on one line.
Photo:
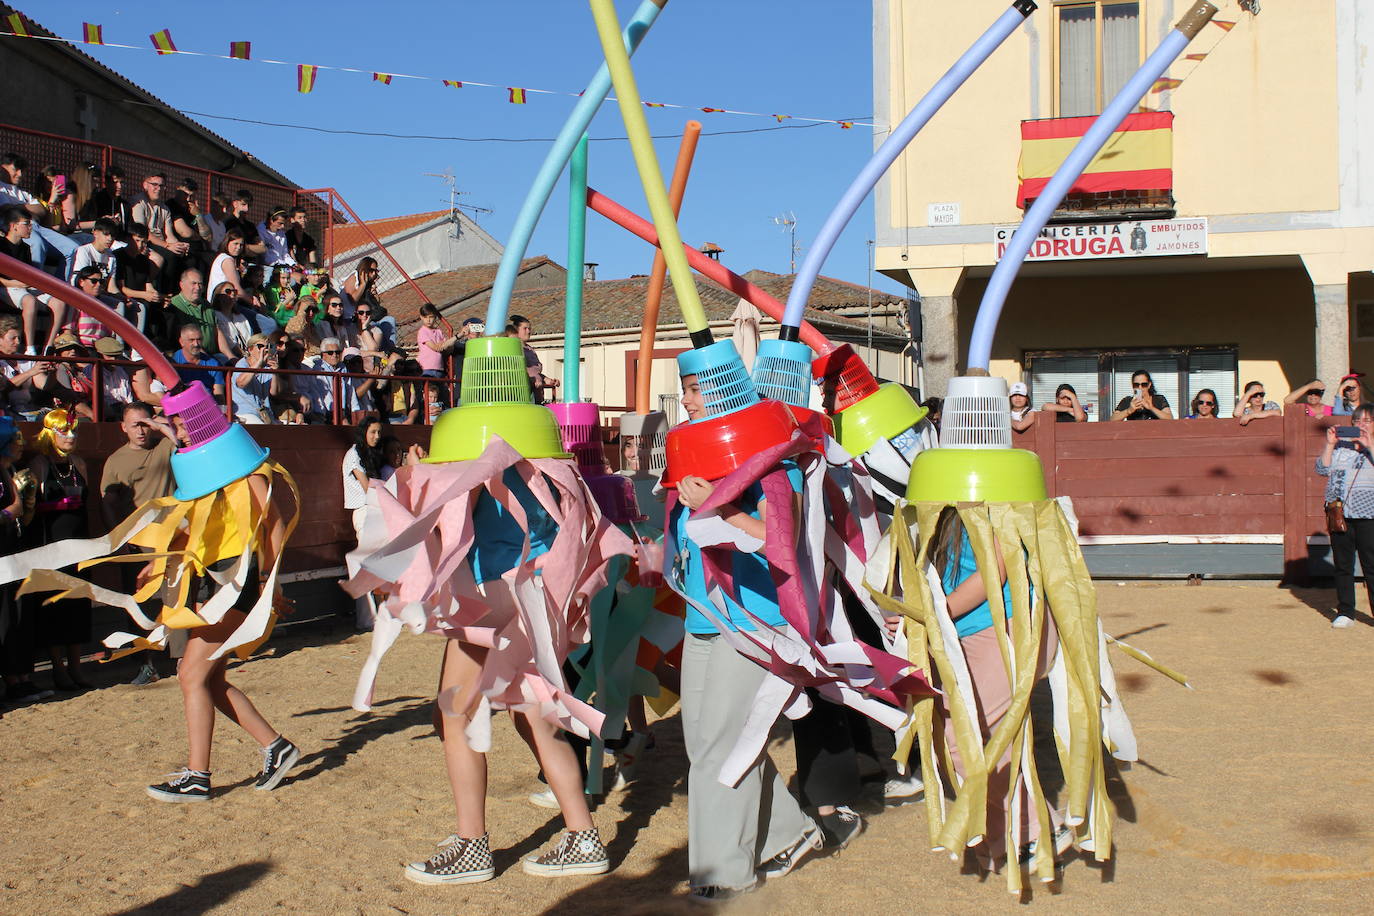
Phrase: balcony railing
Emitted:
{"points": [[1131, 178]]}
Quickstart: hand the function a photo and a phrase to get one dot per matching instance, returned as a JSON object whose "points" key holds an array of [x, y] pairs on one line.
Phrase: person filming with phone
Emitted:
{"points": [[1348, 467], [1143, 403]]}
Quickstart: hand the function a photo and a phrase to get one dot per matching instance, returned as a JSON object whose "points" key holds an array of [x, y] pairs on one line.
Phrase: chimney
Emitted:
{"points": [[589, 271], [712, 251]]}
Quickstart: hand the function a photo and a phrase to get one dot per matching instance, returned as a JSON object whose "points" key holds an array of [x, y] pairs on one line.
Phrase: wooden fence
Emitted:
{"points": [[1212, 481]]}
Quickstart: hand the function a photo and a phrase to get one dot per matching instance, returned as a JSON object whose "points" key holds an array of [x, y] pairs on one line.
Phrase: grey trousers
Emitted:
{"points": [[730, 831]]}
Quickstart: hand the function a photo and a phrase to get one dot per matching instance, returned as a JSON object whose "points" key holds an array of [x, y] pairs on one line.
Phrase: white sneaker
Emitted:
{"points": [[903, 789], [545, 799], [1342, 622]]}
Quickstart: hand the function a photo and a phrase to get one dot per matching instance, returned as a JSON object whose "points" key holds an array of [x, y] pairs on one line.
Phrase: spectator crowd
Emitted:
{"points": [[1145, 403], [242, 304]]}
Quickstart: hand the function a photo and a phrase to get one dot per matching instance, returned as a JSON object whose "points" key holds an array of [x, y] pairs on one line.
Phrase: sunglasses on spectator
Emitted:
{"points": [[331, 352], [1319, 392], [1140, 384], [1257, 394], [1207, 403]]}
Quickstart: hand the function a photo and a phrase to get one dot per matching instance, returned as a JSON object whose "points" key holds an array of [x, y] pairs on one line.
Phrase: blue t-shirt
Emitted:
{"points": [[753, 581], [195, 373], [496, 545], [980, 618]]}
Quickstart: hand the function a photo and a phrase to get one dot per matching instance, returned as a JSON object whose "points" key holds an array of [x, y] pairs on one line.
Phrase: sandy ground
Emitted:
{"points": [[1254, 791]]}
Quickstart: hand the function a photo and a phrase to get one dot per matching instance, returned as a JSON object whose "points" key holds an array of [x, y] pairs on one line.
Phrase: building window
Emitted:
{"points": [[1097, 49], [1102, 379], [1364, 320]]}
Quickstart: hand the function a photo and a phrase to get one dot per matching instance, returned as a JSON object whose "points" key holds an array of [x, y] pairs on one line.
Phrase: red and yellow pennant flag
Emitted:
{"points": [[305, 77], [516, 96], [1199, 57], [17, 25], [163, 42], [383, 78], [92, 34], [846, 124], [241, 50], [454, 84], [713, 109], [1223, 24], [1139, 155], [653, 104], [1165, 83], [780, 118]]}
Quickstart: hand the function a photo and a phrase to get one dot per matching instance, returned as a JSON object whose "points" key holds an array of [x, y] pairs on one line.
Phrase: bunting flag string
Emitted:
{"points": [[162, 41], [162, 44], [1168, 83]]}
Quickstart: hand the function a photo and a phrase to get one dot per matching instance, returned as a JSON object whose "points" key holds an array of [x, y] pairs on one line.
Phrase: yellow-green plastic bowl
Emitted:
{"points": [[462, 433], [958, 475], [888, 412]]}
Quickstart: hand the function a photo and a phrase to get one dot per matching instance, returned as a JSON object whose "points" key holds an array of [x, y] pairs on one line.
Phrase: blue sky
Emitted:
{"points": [[800, 57]]}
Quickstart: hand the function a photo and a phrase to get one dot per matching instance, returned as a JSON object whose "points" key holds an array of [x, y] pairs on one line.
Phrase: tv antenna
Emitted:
{"points": [[788, 222], [454, 206]]}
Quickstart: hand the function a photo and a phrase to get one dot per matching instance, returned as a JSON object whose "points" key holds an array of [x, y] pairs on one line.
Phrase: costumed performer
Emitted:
{"points": [[732, 841], [203, 557], [499, 553]]}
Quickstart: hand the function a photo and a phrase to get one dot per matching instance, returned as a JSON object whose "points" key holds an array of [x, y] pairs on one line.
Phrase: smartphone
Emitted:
{"points": [[59, 183], [1347, 432]]}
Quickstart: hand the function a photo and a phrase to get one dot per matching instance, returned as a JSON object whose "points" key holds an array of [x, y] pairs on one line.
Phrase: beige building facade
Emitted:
{"points": [[1271, 149]]}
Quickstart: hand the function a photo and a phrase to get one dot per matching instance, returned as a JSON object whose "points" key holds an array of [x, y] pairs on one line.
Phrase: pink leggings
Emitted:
{"points": [[992, 691]]}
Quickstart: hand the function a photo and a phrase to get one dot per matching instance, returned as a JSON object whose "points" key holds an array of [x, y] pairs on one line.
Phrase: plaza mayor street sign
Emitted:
{"points": [[1131, 239]]}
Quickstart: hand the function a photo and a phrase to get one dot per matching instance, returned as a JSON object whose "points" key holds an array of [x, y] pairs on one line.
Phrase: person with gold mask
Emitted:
{"points": [[60, 476]]}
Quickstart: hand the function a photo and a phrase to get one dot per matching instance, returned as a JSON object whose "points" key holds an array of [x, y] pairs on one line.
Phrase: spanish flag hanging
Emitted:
{"points": [[383, 78], [653, 104], [713, 109], [1139, 155], [162, 41], [17, 26], [1165, 83], [92, 34], [454, 84], [241, 50], [516, 96], [305, 77]]}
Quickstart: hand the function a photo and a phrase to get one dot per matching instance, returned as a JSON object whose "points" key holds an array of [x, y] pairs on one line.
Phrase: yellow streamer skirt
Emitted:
{"points": [[181, 539], [1039, 549]]}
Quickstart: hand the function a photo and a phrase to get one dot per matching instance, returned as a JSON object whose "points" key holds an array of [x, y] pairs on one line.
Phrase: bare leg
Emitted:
{"points": [[29, 307], [205, 689], [59, 317], [639, 722], [560, 769], [467, 769]]}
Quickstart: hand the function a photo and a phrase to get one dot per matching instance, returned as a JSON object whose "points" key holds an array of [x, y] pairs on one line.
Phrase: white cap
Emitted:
{"points": [[1019, 388]]}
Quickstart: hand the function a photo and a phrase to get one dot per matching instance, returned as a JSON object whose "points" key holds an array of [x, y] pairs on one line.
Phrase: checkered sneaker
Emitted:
{"points": [[460, 860], [579, 852]]}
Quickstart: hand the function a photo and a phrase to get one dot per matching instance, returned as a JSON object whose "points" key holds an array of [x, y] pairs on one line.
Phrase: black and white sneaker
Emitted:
{"points": [[278, 757], [784, 862], [460, 860], [579, 852], [185, 785], [841, 826]]}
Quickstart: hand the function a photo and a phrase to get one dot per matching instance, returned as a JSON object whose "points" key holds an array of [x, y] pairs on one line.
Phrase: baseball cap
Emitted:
{"points": [[65, 341], [1019, 388]]}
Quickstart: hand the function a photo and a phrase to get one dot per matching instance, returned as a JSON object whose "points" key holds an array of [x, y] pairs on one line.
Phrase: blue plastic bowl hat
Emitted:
{"points": [[782, 372], [724, 382], [205, 468]]}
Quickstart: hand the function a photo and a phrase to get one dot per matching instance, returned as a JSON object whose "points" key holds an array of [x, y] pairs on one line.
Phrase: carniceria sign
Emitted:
{"points": [[1130, 239]]}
